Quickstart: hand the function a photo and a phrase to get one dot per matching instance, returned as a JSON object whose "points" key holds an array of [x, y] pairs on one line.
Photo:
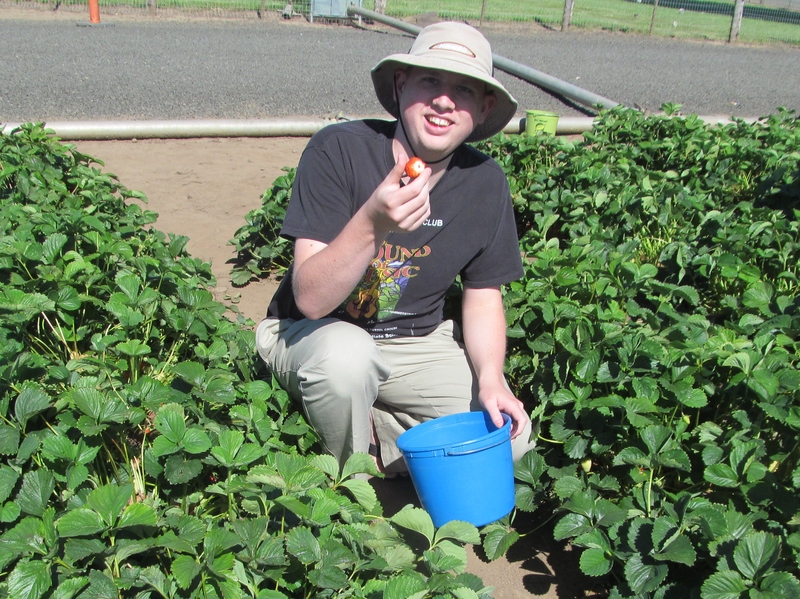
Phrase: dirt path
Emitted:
{"points": [[203, 188]]}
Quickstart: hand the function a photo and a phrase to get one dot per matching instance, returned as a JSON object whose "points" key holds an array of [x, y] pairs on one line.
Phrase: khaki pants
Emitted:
{"points": [[342, 376]]}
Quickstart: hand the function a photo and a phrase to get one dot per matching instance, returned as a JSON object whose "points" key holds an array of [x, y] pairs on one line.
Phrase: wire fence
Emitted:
{"points": [[762, 21]]}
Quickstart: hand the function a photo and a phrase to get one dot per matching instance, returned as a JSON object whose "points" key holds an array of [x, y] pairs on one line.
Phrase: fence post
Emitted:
{"points": [[380, 6], [736, 22], [94, 11], [653, 17], [567, 18]]}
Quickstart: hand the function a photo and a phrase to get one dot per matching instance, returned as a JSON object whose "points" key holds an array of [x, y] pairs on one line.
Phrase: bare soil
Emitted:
{"points": [[203, 188]]}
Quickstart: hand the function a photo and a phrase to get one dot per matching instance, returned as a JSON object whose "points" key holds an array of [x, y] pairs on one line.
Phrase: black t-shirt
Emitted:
{"points": [[471, 230]]}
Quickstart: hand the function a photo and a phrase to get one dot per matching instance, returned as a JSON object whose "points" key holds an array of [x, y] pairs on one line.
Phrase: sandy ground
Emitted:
{"points": [[203, 188]]}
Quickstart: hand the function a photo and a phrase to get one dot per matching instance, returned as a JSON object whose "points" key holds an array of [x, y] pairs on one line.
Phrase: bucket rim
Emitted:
{"points": [[486, 441], [544, 113]]}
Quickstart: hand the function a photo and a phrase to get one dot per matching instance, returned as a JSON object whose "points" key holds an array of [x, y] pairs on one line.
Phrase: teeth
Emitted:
{"points": [[437, 121]]}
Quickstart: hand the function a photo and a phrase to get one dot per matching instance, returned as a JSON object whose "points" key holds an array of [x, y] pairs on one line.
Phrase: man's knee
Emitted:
{"points": [[345, 360]]}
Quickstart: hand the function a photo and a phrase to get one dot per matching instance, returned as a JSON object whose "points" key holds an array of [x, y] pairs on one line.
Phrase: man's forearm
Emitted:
{"points": [[325, 275], [484, 327]]}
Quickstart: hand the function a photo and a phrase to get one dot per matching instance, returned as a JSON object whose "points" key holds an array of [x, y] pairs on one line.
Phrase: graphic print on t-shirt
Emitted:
{"points": [[377, 295]]}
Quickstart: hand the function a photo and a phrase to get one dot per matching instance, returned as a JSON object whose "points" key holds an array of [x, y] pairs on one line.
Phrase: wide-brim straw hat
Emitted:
{"points": [[456, 48]]}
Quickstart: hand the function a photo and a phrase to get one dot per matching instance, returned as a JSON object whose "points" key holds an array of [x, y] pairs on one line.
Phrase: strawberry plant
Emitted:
{"points": [[260, 250], [143, 451], [655, 339]]}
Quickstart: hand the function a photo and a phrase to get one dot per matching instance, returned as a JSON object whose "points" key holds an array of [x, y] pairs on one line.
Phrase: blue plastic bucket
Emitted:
{"points": [[462, 468]]}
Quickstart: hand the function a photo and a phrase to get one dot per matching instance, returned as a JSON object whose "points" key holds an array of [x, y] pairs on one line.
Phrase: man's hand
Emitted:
{"points": [[397, 207], [499, 399]]}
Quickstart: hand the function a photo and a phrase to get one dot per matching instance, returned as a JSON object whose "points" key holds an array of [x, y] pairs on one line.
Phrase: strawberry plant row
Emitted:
{"points": [[143, 451], [655, 339]]}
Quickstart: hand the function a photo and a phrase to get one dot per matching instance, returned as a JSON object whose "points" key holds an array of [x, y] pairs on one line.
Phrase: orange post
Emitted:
{"points": [[94, 11]]}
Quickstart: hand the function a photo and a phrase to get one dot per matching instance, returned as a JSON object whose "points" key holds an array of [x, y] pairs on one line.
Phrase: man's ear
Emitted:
{"points": [[400, 78], [489, 100]]}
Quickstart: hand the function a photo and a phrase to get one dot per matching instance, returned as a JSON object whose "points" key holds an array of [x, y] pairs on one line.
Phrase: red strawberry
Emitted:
{"points": [[414, 167]]}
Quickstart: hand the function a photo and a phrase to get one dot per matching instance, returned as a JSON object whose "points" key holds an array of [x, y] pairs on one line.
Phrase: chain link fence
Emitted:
{"points": [[761, 21]]}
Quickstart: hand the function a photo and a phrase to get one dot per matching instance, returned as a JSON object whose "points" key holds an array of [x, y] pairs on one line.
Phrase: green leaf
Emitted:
{"points": [[415, 519], [192, 372], [101, 408], [178, 470], [678, 550], [170, 423], [588, 366], [80, 522], [595, 539], [67, 589], [78, 549], [655, 437], [9, 439], [327, 463], [359, 463], [30, 579], [363, 493], [231, 451], [449, 556], [52, 246], [397, 556], [692, 398], [195, 441], [125, 548], [497, 540], [137, 514], [302, 544], [25, 537], [755, 554], [727, 584], [721, 475], [100, 587], [109, 501], [530, 468], [632, 456], [328, 577], [644, 577], [463, 532], [30, 401], [594, 562], [133, 348], [185, 569], [571, 525], [8, 480], [405, 586], [37, 488], [9, 512], [781, 583]]}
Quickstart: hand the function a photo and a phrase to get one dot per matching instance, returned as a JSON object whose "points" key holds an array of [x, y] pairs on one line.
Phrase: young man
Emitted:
{"points": [[356, 330]]}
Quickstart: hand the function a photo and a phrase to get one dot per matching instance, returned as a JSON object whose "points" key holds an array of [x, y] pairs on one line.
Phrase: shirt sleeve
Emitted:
{"points": [[320, 205], [500, 261]]}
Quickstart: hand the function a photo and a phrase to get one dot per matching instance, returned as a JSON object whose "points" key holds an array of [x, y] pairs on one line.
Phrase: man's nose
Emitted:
{"points": [[444, 99]]}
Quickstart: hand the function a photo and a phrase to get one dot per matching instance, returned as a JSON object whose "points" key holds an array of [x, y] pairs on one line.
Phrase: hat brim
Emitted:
{"points": [[383, 80]]}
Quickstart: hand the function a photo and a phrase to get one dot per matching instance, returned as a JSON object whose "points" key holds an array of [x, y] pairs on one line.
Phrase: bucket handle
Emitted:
{"points": [[453, 451]]}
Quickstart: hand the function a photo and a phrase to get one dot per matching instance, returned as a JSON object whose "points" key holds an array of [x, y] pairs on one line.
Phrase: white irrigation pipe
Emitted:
{"points": [[125, 130], [99, 130]]}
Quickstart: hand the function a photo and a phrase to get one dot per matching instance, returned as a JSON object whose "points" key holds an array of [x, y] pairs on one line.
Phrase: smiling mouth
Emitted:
{"points": [[438, 122]]}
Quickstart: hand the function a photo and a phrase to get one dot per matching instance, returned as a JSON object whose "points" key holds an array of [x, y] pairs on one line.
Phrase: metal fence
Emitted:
{"points": [[762, 21]]}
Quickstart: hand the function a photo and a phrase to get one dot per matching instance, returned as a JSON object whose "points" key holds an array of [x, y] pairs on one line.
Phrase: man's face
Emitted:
{"points": [[440, 109]]}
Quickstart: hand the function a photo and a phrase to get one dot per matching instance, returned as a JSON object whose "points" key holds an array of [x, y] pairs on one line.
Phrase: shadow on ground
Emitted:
{"points": [[535, 566]]}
